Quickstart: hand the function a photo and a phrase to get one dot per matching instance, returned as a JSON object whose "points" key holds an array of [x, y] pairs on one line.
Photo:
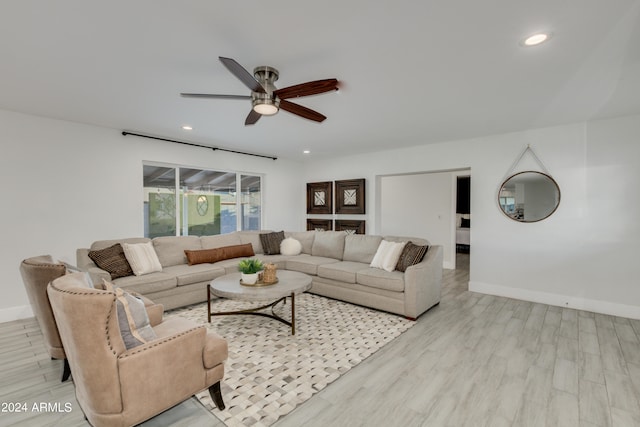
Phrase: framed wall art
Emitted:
{"points": [[319, 198], [350, 196], [351, 226], [319, 224]]}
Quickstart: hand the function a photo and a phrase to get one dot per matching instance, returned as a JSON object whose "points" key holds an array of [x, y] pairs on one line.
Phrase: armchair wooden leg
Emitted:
{"points": [[216, 395], [66, 370]]}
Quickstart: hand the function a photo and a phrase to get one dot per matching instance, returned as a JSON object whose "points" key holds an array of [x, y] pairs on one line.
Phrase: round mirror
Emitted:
{"points": [[529, 196]]}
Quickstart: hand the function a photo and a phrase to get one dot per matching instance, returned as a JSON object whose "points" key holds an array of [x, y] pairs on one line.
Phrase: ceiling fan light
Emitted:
{"points": [[263, 104], [265, 109]]}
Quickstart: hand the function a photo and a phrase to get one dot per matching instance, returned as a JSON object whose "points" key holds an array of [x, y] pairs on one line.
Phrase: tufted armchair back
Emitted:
{"points": [[88, 325], [36, 273]]}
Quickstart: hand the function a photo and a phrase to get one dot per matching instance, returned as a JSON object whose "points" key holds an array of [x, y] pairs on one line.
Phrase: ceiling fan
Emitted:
{"points": [[265, 98]]}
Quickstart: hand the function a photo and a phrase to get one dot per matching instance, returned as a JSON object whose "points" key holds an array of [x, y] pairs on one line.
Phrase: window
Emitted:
{"points": [[206, 202], [159, 201], [251, 202]]}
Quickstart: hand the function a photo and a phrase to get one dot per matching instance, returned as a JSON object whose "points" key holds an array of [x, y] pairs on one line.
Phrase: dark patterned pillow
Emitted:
{"points": [[112, 260], [411, 255], [271, 242]]}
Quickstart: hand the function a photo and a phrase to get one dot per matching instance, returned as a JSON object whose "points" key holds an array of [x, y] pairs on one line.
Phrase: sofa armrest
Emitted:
{"points": [[83, 262], [423, 283], [97, 275]]}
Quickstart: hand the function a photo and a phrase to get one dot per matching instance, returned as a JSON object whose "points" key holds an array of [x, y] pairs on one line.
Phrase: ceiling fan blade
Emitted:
{"points": [[252, 118], [243, 75], [308, 88], [212, 95], [301, 111]]}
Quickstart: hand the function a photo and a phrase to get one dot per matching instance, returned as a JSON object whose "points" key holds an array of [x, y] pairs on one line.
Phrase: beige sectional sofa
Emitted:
{"points": [[338, 263]]}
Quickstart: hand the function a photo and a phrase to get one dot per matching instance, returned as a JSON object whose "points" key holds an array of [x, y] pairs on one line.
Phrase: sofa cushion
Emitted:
{"points": [[253, 237], [329, 244], [112, 260], [308, 263], [188, 274], [360, 247], [279, 260], [343, 271], [101, 244], [415, 240], [142, 257], [271, 242], [220, 240], [149, 283], [218, 254], [230, 265], [305, 238], [170, 249], [381, 279], [411, 255]]}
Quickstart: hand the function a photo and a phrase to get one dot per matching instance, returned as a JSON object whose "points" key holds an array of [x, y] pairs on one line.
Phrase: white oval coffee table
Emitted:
{"points": [[289, 284]]}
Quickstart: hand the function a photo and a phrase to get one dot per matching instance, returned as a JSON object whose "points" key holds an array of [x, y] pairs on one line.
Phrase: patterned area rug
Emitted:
{"points": [[269, 371]]}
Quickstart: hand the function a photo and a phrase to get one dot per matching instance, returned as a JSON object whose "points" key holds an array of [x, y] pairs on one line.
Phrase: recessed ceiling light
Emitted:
{"points": [[187, 127], [536, 39], [306, 151]]}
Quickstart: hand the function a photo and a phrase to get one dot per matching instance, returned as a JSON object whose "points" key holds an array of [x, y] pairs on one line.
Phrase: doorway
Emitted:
{"points": [[463, 217]]}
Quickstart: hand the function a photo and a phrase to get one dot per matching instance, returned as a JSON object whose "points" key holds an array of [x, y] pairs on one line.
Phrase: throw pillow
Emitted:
{"points": [[142, 258], [237, 251], [290, 246], [203, 256], [271, 242], [133, 319], [112, 260], [411, 255], [387, 255]]}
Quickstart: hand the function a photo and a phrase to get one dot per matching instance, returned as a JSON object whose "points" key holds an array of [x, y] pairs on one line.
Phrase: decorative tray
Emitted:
{"points": [[259, 283]]}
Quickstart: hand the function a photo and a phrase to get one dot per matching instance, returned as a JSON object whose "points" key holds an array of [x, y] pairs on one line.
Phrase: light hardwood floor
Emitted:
{"points": [[474, 360]]}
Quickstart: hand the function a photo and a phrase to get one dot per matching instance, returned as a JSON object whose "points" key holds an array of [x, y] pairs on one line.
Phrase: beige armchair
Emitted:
{"points": [[36, 273], [120, 387]]}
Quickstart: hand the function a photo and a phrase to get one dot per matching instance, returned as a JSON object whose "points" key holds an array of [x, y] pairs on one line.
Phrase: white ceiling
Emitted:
{"points": [[412, 72]]}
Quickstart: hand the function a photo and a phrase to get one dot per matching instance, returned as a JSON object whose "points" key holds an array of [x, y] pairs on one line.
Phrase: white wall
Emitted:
{"points": [[419, 205], [68, 184], [583, 256]]}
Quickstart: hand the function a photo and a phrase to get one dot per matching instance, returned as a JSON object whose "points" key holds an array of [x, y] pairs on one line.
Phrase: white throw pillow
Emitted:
{"points": [[142, 258], [387, 255], [290, 246]]}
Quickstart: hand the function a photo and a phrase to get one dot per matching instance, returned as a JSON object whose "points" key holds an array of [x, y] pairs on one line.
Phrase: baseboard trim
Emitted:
{"points": [[602, 307], [15, 313]]}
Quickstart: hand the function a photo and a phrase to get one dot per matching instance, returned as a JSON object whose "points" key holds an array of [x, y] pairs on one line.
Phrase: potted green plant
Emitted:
{"points": [[249, 270]]}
